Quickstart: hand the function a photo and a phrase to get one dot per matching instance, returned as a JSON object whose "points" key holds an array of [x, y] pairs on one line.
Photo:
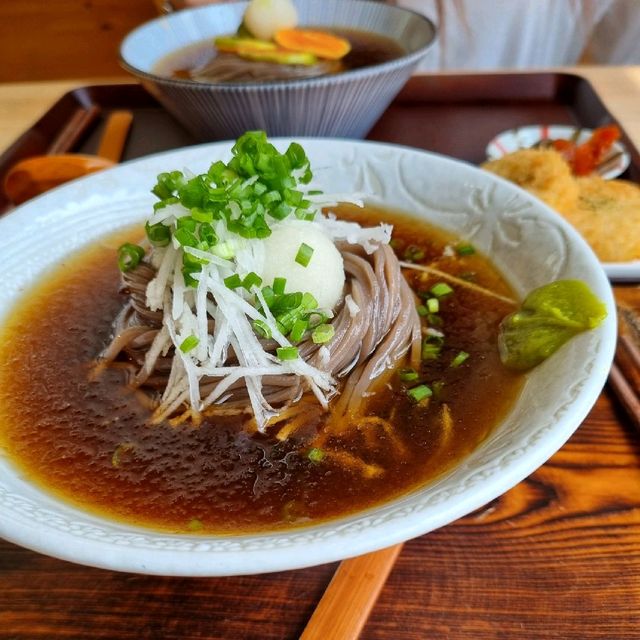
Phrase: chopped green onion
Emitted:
{"points": [[431, 347], [185, 237], [287, 353], [188, 344], [433, 305], [288, 318], [422, 310], [396, 243], [207, 236], [250, 280], [262, 329], [269, 296], [278, 285], [308, 302], [159, 235], [316, 318], [419, 393], [459, 359], [187, 222], [224, 250], [298, 330], [323, 333], [465, 249], [200, 215], [303, 257], [315, 455], [233, 282], [413, 253], [441, 289], [408, 375], [435, 320], [258, 184], [286, 302], [129, 256]]}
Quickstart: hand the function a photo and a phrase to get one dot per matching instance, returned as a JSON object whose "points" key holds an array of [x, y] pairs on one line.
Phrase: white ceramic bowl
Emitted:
{"points": [[530, 243], [345, 104]]}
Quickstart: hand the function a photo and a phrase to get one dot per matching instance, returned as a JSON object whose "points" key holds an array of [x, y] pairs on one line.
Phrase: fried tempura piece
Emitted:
{"points": [[608, 216], [542, 172]]}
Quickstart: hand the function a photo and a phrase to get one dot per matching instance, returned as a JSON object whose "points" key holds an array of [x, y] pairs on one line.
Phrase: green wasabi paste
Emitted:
{"points": [[548, 317]]}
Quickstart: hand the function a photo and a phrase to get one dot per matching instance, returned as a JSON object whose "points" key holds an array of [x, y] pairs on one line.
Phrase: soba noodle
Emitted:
{"points": [[375, 325], [231, 68]]}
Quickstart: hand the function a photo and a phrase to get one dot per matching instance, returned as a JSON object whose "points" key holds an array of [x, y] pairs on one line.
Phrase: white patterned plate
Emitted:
{"points": [[615, 164], [525, 137], [526, 240]]}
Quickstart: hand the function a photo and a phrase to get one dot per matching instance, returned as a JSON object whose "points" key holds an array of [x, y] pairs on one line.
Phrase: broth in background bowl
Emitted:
{"points": [[344, 102]]}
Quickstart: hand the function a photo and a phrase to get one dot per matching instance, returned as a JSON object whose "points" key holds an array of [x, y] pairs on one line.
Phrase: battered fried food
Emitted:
{"points": [[608, 217], [543, 172], [605, 212]]}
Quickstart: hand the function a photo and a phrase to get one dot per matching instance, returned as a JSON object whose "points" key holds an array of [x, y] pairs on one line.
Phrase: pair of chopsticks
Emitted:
{"points": [[624, 378]]}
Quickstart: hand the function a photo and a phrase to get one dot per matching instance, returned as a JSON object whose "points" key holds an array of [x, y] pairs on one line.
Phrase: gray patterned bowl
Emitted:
{"points": [[526, 240], [344, 104]]}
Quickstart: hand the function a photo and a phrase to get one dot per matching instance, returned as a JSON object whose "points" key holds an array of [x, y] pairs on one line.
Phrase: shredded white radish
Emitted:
{"points": [[353, 233], [156, 288], [352, 305], [190, 311]]}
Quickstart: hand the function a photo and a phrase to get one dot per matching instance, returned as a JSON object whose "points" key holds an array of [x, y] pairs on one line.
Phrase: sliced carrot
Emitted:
{"points": [[320, 43]]}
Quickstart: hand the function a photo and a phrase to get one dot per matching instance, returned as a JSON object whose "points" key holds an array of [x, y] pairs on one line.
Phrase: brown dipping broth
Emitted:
{"points": [[90, 443], [367, 49]]}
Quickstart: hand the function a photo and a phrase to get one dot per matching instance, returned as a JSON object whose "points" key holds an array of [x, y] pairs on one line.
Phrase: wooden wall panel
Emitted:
{"points": [[55, 39]]}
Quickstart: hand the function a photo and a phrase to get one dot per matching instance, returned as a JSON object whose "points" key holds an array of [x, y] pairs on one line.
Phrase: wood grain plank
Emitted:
{"points": [[67, 38]]}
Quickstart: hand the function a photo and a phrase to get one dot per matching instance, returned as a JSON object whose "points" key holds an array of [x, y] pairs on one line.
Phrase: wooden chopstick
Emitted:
{"points": [[115, 135], [625, 394], [351, 595], [624, 378], [73, 130]]}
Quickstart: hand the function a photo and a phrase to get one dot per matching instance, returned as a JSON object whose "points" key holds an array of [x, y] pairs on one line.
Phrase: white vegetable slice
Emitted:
{"points": [[264, 17]]}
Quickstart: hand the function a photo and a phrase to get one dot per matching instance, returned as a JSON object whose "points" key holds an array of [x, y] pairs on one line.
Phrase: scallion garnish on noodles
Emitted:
{"points": [[323, 333], [129, 256], [188, 344], [287, 353], [420, 393], [208, 282], [257, 186], [303, 257]]}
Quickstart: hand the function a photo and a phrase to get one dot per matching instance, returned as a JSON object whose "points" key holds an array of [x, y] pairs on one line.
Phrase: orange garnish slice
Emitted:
{"points": [[320, 43]]}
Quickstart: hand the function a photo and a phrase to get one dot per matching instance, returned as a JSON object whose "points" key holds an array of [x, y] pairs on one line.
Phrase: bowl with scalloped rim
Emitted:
{"points": [[525, 239]]}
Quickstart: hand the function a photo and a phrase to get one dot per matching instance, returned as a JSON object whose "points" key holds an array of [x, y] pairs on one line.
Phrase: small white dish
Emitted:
{"points": [[526, 240], [614, 165]]}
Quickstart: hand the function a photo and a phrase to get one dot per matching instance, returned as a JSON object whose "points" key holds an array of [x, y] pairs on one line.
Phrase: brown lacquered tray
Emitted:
{"points": [[558, 556], [452, 114]]}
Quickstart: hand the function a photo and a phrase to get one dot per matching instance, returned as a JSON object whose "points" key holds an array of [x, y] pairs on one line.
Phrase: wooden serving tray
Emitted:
{"points": [[456, 115], [558, 556]]}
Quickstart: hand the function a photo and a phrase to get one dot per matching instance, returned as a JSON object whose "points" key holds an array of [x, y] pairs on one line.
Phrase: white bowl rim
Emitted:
{"points": [[195, 559], [338, 78]]}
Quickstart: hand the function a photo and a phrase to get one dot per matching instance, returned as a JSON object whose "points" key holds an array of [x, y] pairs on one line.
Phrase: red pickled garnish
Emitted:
{"points": [[591, 153]]}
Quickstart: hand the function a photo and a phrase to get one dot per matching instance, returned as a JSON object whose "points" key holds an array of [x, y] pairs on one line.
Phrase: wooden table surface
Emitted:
{"points": [[558, 556]]}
